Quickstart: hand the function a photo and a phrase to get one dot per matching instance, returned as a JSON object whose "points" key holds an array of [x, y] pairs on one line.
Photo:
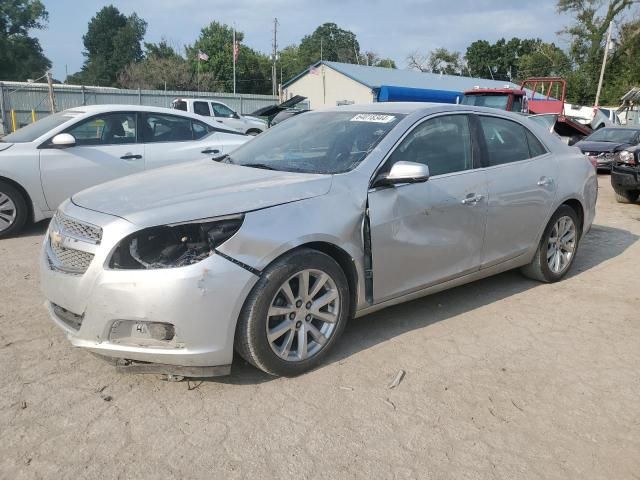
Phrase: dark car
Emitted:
{"points": [[604, 144], [625, 175]]}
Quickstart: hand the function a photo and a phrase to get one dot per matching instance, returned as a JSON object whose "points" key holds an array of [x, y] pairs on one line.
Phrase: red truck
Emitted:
{"points": [[545, 104]]}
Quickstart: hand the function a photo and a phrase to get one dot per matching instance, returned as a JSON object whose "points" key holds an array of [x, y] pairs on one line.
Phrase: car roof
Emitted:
{"points": [[183, 99], [94, 109], [413, 107]]}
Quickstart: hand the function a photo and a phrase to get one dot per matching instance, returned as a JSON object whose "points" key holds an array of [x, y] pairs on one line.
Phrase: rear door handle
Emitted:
{"points": [[472, 199], [210, 151], [545, 182], [130, 156]]}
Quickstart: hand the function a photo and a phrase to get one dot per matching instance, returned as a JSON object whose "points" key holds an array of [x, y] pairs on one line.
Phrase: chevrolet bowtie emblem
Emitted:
{"points": [[56, 238]]}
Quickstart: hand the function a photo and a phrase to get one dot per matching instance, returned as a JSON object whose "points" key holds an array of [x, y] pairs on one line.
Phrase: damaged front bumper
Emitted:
{"points": [[177, 321]]}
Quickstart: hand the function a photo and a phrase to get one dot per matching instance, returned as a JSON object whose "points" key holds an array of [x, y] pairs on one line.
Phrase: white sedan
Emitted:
{"points": [[46, 162]]}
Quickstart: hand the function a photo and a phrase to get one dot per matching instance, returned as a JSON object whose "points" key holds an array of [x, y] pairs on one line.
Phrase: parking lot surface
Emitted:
{"points": [[505, 378]]}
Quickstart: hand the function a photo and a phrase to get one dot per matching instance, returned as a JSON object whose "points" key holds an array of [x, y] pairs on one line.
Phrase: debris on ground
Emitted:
{"points": [[350, 389], [23, 404], [397, 379], [390, 403]]}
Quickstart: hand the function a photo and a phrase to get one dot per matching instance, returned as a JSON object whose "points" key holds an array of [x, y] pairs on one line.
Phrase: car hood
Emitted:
{"points": [[599, 147], [196, 190]]}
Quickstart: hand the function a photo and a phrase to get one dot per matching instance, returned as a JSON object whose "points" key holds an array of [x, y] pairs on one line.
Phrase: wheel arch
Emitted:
{"points": [[24, 194], [342, 258], [577, 207]]}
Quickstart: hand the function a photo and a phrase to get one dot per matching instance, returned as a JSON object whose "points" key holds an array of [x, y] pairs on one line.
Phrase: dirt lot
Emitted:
{"points": [[505, 378]]}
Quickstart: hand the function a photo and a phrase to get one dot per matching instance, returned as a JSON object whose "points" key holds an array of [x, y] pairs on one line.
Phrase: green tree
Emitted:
{"points": [[332, 42], [546, 60], [500, 60], [587, 37], [439, 60], [373, 59], [160, 73], [216, 73], [112, 42], [21, 56], [162, 49]]}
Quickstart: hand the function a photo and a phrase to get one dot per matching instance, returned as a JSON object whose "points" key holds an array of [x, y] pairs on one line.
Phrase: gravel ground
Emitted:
{"points": [[505, 378]]}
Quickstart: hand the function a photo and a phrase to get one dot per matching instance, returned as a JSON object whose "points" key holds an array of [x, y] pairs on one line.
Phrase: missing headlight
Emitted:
{"points": [[173, 246]]}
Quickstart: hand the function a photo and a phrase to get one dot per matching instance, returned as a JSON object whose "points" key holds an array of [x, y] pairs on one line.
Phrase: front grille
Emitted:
{"points": [[70, 319], [77, 229], [69, 260]]}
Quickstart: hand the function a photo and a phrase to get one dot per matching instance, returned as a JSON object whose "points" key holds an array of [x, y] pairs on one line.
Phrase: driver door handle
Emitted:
{"points": [[472, 199], [130, 156], [210, 151]]}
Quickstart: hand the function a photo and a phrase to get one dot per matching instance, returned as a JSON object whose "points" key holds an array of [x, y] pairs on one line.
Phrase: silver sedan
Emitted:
{"points": [[330, 215]]}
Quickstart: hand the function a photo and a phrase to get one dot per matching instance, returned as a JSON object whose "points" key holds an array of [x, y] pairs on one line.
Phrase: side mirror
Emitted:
{"points": [[63, 140], [236, 115], [404, 172]]}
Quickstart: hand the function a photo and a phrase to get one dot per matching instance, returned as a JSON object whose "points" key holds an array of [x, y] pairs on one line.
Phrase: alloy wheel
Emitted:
{"points": [[8, 212], [303, 314], [561, 244]]}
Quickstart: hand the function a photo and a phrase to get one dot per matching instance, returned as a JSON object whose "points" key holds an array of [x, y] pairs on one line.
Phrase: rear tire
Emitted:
{"points": [[14, 210], [557, 249], [286, 329], [627, 196]]}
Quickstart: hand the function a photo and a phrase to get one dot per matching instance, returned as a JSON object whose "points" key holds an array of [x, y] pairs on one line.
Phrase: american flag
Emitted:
{"points": [[236, 50], [202, 56]]}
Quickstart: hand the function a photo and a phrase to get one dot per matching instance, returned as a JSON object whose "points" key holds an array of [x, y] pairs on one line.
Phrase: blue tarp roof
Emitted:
{"points": [[377, 77]]}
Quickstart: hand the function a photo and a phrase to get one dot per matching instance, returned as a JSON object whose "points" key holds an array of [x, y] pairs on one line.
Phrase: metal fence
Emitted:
{"points": [[32, 99]]}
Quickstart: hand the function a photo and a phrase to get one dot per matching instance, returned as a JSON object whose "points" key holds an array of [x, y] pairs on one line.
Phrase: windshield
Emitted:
{"points": [[491, 101], [39, 128], [614, 135], [317, 142]]}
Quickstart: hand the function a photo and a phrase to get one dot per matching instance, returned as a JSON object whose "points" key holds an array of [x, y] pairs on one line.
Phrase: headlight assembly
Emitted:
{"points": [[173, 245], [627, 157]]}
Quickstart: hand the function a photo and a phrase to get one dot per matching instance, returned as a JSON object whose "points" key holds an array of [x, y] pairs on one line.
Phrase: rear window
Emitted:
{"points": [[179, 105]]}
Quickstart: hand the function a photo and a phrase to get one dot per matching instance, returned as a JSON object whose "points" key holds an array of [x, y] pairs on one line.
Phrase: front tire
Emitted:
{"points": [[557, 249], [294, 314], [627, 196], [14, 211]]}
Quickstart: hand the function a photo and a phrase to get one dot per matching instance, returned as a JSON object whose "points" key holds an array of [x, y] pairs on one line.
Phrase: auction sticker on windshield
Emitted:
{"points": [[373, 117]]}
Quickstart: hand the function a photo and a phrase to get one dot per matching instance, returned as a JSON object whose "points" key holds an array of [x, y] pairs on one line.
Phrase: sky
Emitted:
{"points": [[392, 29]]}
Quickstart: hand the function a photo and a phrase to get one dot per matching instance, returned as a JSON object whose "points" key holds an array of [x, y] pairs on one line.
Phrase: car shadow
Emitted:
{"points": [[33, 229], [599, 245]]}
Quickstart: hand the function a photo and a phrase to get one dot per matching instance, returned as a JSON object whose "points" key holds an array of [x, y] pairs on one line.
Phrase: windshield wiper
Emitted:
{"points": [[259, 165], [221, 158]]}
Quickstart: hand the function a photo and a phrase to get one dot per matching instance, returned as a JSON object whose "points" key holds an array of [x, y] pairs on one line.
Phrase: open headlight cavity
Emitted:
{"points": [[170, 246]]}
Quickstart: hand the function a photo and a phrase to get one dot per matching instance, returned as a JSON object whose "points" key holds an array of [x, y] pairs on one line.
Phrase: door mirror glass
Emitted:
{"points": [[63, 140], [404, 172]]}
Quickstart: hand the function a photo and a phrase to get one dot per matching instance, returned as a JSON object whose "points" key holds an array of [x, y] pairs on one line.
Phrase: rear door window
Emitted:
{"points": [[166, 128], [201, 108], [535, 147], [506, 141]]}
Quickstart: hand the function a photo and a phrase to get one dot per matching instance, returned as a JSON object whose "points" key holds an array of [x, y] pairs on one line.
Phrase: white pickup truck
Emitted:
{"points": [[222, 114]]}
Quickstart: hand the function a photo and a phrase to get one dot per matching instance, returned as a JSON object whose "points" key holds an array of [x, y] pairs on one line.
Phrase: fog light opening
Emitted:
{"points": [[142, 333]]}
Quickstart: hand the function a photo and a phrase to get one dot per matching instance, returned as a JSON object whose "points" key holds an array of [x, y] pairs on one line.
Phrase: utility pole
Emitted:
{"points": [[234, 51], [604, 64], [52, 96], [274, 59]]}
